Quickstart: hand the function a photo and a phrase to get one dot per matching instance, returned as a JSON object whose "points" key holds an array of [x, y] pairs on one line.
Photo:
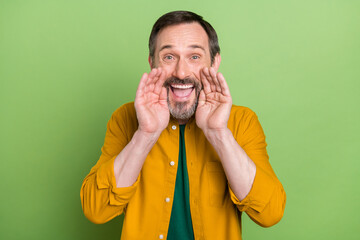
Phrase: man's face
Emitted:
{"points": [[182, 51]]}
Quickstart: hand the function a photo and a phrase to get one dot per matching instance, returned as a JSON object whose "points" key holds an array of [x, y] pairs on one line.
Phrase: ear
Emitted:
{"points": [[216, 62], [150, 62]]}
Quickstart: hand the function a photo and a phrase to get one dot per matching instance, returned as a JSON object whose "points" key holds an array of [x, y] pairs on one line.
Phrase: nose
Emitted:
{"points": [[181, 70]]}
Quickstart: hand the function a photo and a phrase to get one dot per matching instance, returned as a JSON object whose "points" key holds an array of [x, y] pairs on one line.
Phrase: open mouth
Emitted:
{"points": [[182, 91]]}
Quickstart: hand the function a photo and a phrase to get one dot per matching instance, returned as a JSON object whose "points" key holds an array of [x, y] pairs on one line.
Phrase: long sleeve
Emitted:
{"points": [[100, 198], [266, 200]]}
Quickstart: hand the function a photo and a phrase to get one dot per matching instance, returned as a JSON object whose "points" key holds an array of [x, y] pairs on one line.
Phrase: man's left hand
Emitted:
{"points": [[213, 110]]}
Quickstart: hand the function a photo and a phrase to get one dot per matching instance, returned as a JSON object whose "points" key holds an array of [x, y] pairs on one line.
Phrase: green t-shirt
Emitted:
{"points": [[180, 227]]}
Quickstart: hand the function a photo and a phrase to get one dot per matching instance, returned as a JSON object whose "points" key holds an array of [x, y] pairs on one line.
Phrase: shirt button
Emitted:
{"points": [[173, 127], [167, 199], [172, 163], [161, 236]]}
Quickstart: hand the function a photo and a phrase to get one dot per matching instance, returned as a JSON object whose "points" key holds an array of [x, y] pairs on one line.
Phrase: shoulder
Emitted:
{"points": [[241, 113], [126, 110], [125, 116], [241, 118]]}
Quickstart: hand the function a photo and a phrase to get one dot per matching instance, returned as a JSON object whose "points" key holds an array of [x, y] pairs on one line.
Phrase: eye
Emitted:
{"points": [[168, 57], [195, 57]]}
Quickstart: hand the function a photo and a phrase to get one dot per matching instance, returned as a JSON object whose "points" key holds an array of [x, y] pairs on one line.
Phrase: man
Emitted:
{"points": [[181, 161]]}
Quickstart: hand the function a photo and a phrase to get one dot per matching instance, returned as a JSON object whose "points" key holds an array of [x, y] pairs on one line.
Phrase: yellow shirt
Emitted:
{"points": [[215, 210]]}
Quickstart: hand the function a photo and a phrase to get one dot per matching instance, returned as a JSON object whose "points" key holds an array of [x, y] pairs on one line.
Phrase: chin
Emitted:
{"points": [[182, 110]]}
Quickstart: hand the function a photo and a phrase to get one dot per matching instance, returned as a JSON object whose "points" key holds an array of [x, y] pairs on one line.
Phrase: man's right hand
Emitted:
{"points": [[151, 103], [153, 116]]}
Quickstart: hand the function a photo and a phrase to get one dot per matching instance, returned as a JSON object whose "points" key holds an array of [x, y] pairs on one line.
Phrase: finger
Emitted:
{"points": [[160, 82], [210, 80], [223, 84], [205, 82], [153, 76], [163, 94], [215, 80], [202, 97], [141, 87]]}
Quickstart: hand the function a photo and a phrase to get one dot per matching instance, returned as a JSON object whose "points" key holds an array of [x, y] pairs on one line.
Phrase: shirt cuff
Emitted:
{"points": [[105, 179], [259, 195]]}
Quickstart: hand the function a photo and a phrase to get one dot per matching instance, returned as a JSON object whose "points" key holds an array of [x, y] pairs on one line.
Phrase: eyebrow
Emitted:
{"points": [[191, 46]]}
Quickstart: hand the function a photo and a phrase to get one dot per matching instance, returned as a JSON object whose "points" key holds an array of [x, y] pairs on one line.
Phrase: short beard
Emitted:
{"points": [[179, 110]]}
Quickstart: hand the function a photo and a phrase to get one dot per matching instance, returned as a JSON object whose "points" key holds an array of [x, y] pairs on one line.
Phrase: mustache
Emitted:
{"points": [[175, 80]]}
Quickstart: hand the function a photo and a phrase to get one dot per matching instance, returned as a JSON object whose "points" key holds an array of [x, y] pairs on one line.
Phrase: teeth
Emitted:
{"points": [[185, 86]]}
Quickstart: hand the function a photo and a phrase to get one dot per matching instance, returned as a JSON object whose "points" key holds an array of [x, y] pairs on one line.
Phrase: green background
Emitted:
{"points": [[65, 66]]}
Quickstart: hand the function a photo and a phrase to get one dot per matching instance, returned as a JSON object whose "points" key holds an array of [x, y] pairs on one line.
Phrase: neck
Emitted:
{"points": [[182, 121]]}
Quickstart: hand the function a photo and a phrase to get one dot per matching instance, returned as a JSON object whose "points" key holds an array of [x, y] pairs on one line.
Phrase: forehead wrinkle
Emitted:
{"points": [[197, 46], [168, 46], [194, 46]]}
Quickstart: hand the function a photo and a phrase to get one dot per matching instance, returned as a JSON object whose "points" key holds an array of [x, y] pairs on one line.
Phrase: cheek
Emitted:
{"points": [[196, 68], [196, 72], [168, 68]]}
